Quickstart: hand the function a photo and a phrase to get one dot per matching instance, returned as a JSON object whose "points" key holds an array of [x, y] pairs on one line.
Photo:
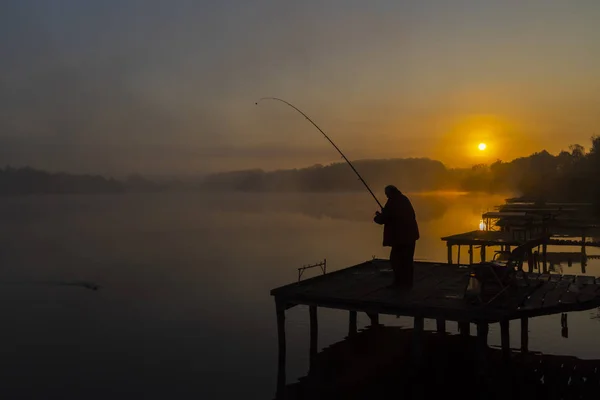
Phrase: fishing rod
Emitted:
{"points": [[330, 141]]}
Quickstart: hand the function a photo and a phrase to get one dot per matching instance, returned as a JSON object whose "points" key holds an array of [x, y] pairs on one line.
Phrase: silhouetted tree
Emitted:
{"points": [[572, 175], [21, 181]]}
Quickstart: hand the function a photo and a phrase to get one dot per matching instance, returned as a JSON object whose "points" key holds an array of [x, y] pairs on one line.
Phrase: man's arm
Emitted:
{"points": [[379, 218], [382, 217]]}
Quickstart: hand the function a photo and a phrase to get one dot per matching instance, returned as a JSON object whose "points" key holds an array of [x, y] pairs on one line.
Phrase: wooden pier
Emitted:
{"points": [[482, 239], [517, 223], [557, 218], [438, 293]]}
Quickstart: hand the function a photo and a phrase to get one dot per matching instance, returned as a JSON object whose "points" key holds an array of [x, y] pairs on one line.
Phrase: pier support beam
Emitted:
{"points": [[482, 253], [482, 346], [545, 257], [524, 335], [583, 253], [505, 338], [470, 254], [374, 317], [314, 333], [564, 326], [419, 325], [280, 310], [464, 329], [352, 326], [440, 325], [530, 261], [449, 246]]}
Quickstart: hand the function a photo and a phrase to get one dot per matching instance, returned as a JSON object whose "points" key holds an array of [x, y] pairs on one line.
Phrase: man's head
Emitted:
{"points": [[391, 191]]}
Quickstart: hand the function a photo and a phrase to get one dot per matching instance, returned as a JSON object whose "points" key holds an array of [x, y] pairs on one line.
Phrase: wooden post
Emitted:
{"points": [[482, 254], [280, 309], [417, 340], [524, 335], [564, 326], [352, 324], [464, 328], [545, 257], [458, 256], [505, 338], [314, 332], [482, 346], [449, 246], [441, 325], [374, 317], [530, 261], [470, 254]]}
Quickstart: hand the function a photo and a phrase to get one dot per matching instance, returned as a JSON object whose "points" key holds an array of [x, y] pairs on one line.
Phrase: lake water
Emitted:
{"points": [[184, 309]]}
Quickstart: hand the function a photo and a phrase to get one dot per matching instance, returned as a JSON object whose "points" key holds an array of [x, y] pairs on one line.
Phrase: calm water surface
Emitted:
{"points": [[184, 310]]}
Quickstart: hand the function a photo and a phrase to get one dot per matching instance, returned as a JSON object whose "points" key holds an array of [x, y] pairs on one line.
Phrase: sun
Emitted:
{"points": [[482, 146]]}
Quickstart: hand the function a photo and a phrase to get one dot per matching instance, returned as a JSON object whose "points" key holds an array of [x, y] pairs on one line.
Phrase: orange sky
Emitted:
{"points": [[172, 89]]}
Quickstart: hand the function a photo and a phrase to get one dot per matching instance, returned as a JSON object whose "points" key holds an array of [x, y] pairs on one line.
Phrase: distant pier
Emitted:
{"points": [[515, 223]]}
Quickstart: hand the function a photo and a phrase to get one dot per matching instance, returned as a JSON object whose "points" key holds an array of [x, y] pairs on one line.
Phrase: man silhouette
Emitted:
{"points": [[400, 232]]}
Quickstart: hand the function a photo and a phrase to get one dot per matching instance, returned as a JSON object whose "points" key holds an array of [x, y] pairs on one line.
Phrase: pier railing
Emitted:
{"points": [[321, 264]]}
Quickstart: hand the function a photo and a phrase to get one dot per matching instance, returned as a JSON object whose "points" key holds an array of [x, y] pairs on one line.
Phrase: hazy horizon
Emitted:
{"points": [[191, 175]]}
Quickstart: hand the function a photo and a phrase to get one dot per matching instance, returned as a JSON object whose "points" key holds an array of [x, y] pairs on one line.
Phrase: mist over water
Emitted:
{"points": [[184, 308]]}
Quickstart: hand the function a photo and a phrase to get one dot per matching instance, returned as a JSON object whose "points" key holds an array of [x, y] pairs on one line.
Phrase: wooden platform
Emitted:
{"points": [[483, 237], [580, 243], [504, 214], [532, 209], [505, 240], [438, 293], [576, 218]]}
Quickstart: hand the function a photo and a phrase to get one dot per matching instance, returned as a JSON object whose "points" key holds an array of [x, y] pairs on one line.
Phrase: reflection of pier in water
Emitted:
{"points": [[376, 363]]}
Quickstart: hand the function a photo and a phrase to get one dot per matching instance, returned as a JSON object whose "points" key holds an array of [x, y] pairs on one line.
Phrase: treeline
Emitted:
{"points": [[27, 180], [572, 175], [410, 174], [19, 181]]}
